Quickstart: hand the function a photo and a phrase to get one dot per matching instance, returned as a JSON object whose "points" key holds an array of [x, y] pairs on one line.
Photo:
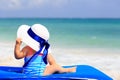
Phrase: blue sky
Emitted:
{"points": [[60, 8]]}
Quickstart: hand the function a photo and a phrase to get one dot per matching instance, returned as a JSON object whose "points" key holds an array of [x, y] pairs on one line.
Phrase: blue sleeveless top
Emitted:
{"points": [[36, 67]]}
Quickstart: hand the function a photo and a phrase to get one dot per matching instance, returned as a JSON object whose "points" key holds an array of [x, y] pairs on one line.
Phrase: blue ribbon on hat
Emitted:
{"points": [[43, 43]]}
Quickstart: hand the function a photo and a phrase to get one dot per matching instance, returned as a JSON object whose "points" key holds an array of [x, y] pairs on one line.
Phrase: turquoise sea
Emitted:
{"points": [[74, 33]]}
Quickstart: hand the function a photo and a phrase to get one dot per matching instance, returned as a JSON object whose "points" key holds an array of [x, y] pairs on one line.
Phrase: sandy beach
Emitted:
{"points": [[102, 59], [105, 60]]}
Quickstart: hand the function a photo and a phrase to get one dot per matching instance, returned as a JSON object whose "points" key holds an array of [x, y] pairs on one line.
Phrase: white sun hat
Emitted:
{"points": [[38, 29]]}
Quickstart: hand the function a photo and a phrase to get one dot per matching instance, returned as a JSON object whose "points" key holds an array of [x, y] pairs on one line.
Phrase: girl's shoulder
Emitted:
{"points": [[29, 51]]}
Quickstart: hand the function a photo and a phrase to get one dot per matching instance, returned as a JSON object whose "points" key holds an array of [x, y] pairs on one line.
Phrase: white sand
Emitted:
{"points": [[105, 60]]}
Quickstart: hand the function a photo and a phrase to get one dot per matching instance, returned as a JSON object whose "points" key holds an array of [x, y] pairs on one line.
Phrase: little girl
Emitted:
{"points": [[36, 37]]}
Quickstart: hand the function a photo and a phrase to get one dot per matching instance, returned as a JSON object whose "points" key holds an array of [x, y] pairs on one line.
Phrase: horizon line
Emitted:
{"points": [[59, 18]]}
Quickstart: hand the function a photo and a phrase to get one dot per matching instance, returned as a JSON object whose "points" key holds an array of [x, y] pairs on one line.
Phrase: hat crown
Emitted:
{"points": [[40, 31]]}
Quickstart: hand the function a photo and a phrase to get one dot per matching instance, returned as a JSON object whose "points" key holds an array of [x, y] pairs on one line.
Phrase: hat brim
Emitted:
{"points": [[22, 33]]}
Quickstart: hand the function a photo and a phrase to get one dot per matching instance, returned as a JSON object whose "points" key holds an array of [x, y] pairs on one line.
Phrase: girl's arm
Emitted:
{"points": [[17, 52]]}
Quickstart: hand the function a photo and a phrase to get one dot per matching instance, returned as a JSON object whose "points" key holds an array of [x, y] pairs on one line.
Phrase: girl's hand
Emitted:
{"points": [[18, 41]]}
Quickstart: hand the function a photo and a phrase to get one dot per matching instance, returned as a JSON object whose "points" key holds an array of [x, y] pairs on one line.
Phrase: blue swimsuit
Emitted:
{"points": [[36, 67]]}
